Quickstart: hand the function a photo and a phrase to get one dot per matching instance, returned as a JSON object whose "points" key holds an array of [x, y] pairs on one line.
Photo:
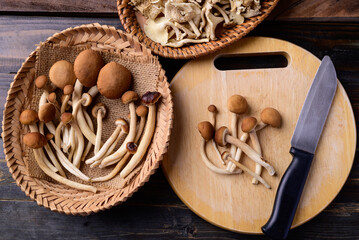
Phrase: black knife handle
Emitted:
{"points": [[288, 195]]}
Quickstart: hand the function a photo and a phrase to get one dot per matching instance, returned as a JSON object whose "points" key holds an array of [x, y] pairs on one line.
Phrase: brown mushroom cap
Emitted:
{"points": [[66, 118], [131, 147], [87, 66], [28, 117], [225, 155], [142, 111], [52, 97], [271, 117], [248, 124], [40, 81], [237, 104], [124, 125], [49, 136], [206, 130], [99, 107], [150, 98], [220, 136], [34, 140], [129, 96], [88, 99], [68, 89], [62, 74], [113, 80], [212, 108], [47, 112]]}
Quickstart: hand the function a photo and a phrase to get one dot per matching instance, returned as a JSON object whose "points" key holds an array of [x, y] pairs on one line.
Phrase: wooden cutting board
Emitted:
{"points": [[232, 202]]}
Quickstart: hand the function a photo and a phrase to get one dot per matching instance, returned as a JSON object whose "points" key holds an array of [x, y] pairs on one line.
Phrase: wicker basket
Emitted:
{"points": [[53, 195], [130, 24]]}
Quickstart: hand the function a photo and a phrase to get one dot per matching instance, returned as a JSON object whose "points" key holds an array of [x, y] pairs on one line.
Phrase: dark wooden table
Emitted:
{"points": [[328, 27]]}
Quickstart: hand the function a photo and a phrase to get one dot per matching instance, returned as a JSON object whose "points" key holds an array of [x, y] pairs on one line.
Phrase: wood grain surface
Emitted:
{"points": [[155, 212]]}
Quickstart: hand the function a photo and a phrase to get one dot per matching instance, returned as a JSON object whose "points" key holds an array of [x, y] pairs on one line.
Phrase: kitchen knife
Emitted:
{"points": [[304, 143]]}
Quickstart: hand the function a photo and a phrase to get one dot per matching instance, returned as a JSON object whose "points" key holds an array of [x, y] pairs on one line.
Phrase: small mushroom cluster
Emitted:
{"points": [[224, 137], [70, 134], [175, 23]]}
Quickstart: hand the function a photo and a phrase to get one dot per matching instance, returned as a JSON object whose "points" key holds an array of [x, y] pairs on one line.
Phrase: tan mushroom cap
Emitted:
{"points": [[113, 80], [212, 108], [99, 107], [47, 112], [220, 136], [87, 66], [124, 125], [271, 117], [88, 99], [225, 155], [248, 124], [206, 130], [68, 89], [41, 81], [237, 104], [129, 96], [131, 147], [142, 111], [28, 117], [150, 98], [52, 97], [49, 136], [66, 118], [62, 74], [34, 140]]}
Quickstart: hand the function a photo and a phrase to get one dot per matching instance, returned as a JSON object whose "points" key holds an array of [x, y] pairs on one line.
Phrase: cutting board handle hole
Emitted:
{"points": [[225, 62]]}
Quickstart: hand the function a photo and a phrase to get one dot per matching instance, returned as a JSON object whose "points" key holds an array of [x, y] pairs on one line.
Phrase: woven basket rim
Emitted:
{"points": [[111, 38], [129, 22]]}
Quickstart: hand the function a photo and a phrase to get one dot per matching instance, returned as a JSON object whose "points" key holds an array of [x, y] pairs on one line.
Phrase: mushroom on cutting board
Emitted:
{"points": [[222, 137], [248, 126], [207, 131], [99, 112], [150, 99], [87, 66], [113, 80], [213, 110], [62, 73], [226, 155], [236, 104], [127, 98]]}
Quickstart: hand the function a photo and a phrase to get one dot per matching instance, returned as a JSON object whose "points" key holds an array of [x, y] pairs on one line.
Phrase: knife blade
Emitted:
{"points": [[304, 142]]}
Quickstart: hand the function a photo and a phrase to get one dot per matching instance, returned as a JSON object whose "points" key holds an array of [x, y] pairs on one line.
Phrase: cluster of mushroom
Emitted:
{"points": [[70, 135], [238, 105], [175, 23]]}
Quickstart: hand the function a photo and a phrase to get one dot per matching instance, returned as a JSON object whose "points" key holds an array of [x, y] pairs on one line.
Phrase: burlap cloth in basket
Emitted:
{"points": [[145, 72]]}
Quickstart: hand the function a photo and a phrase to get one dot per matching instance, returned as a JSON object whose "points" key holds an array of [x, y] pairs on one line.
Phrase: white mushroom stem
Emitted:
{"points": [[66, 140], [250, 153], [98, 132], [220, 10], [243, 138], [140, 129], [67, 164], [61, 179], [113, 146], [64, 104], [145, 142], [209, 164], [115, 157], [110, 143], [93, 91], [244, 168], [50, 153], [213, 122], [194, 28], [40, 152], [89, 144], [234, 133], [73, 143], [58, 134], [257, 147], [237, 156], [80, 144], [51, 127], [114, 172]]}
